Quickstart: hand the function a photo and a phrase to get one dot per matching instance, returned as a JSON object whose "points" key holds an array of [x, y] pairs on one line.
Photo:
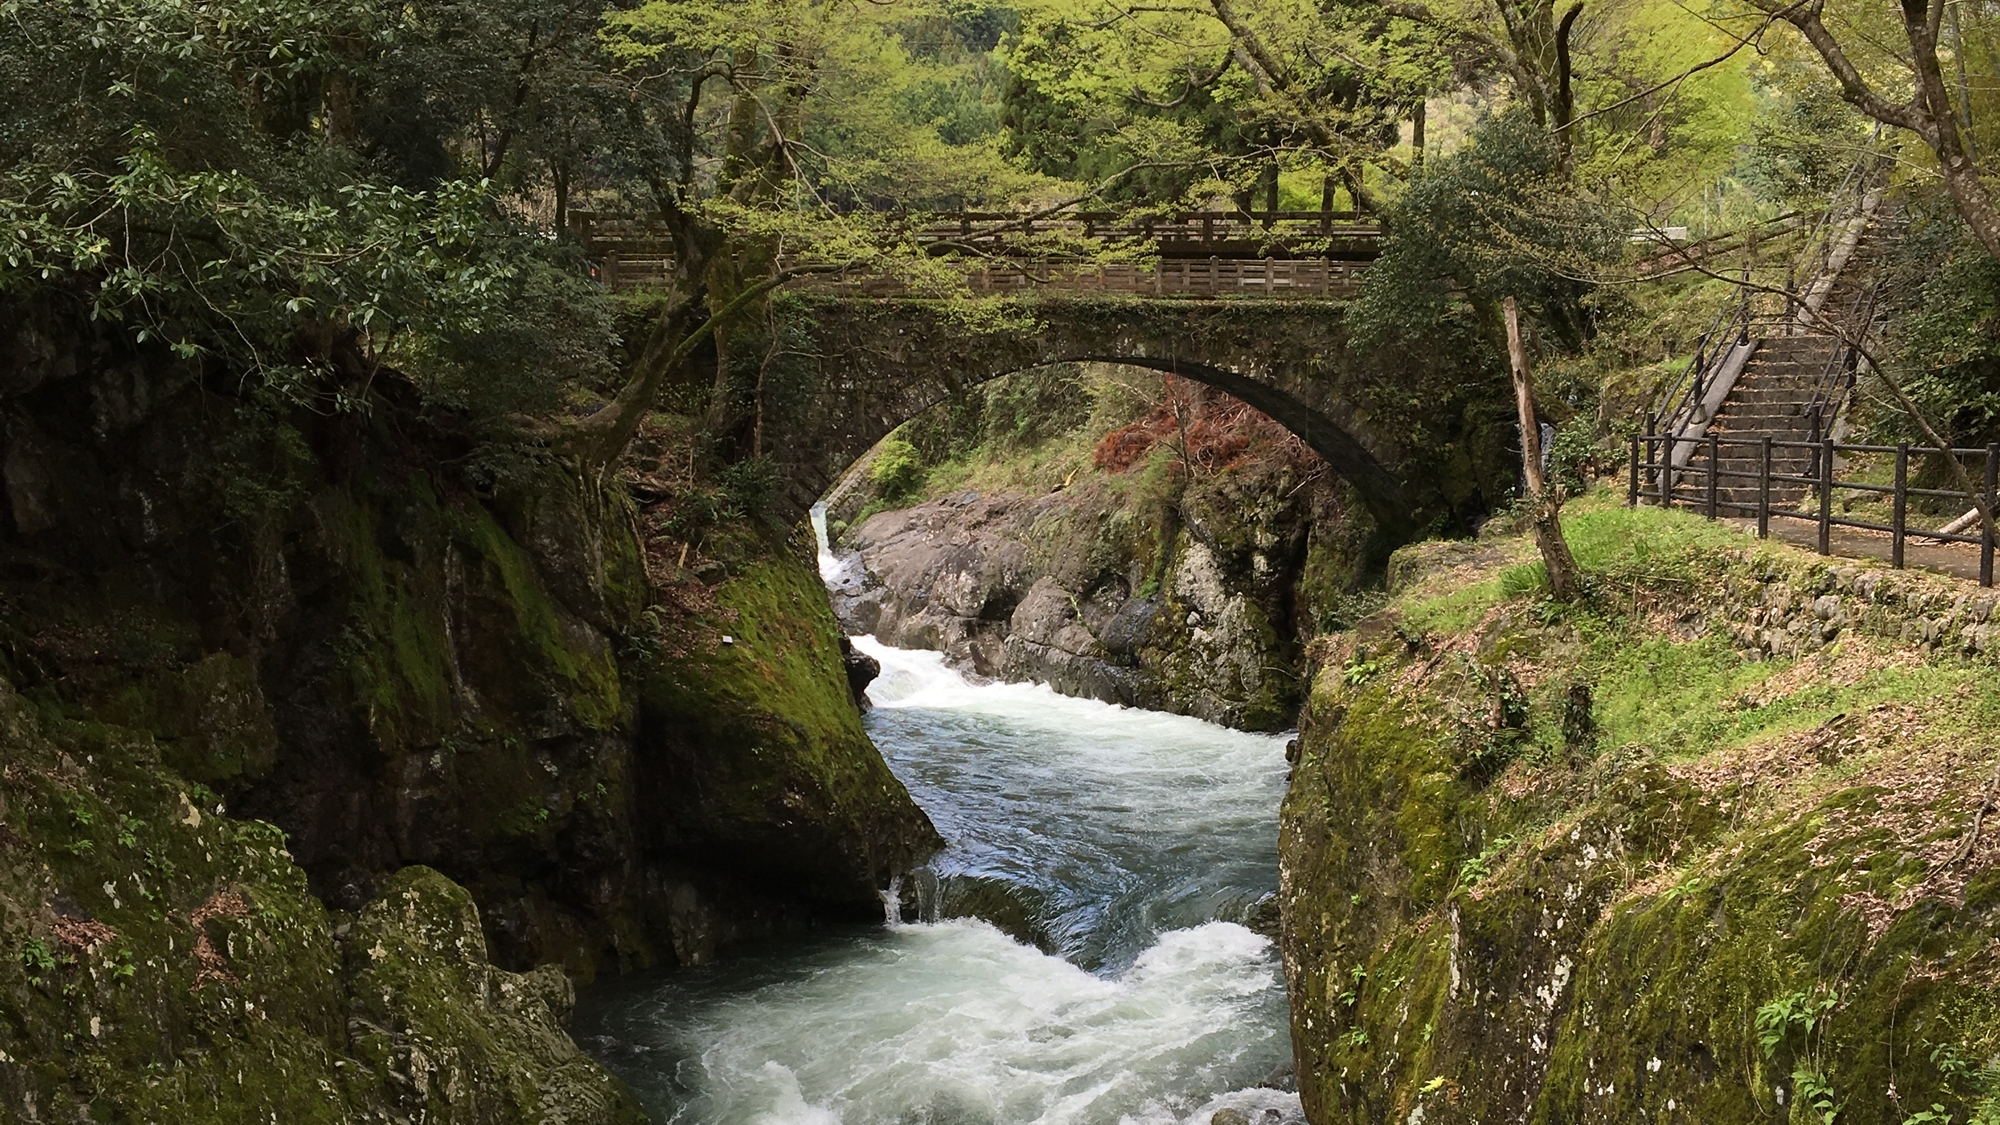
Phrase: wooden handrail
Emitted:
{"points": [[1653, 476]]}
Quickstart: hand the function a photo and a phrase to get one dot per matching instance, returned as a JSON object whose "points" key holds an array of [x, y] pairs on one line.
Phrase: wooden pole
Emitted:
{"points": [[1714, 468], [1899, 517], [1564, 584], [1652, 446], [1632, 489], [1666, 478], [1986, 526], [1826, 497], [1764, 492]]}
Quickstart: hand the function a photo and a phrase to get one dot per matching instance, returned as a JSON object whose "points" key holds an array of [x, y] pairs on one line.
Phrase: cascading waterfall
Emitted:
{"points": [[1126, 847]]}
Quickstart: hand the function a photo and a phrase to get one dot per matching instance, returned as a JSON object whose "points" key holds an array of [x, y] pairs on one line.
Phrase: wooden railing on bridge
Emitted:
{"points": [[1299, 254], [1344, 235], [1707, 486]]}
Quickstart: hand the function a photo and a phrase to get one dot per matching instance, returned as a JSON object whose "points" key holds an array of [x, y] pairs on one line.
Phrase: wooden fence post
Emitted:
{"points": [[1985, 535], [1826, 497], [1652, 445], [1632, 489], [1714, 468], [1666, 479], [1764, 492], [1899, 516]]}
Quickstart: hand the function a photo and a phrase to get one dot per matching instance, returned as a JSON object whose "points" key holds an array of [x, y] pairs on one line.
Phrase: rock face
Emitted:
{"points": [[861, 671], [1742, 885], [1193, 609], [166, 962], [373, 658]]}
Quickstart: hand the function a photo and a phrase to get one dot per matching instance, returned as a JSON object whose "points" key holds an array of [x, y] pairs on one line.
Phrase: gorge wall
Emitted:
{"points": [[1707, 846], [1158, 587], [318, 723]]}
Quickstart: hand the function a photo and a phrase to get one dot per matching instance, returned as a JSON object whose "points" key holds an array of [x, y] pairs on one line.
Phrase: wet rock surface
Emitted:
{"points": [[1195, 610]]}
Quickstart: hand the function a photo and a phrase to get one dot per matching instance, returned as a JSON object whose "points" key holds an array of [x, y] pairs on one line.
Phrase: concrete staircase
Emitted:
{"points": [[1793, 365], [1770, 399]]}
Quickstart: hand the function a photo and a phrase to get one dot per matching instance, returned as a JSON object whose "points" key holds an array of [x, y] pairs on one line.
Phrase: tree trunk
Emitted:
{"points": [[1930, 115], [1545, 503], [1565, 107], [1417, 138]]}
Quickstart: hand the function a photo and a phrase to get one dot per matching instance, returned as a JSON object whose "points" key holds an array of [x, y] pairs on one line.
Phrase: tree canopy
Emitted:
{"points": [[310, 193]]}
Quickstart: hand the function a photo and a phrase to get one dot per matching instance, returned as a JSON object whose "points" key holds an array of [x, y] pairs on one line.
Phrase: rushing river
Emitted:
{"points": [[1130, 846]]}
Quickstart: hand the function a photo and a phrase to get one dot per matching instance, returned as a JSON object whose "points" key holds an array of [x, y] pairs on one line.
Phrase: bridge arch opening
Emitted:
{"points": [[881, 363], [1377, 487]]}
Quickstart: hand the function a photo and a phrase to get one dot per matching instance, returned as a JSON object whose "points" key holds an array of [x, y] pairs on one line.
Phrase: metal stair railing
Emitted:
{"points": [[1683, 406], [1848, 200], [1835, 384]]}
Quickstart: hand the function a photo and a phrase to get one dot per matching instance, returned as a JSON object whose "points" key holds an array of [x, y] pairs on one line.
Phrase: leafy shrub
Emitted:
{"points": [[898, 472]]}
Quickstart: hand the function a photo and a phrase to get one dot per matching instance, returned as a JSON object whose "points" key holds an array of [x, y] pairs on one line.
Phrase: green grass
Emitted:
{"points": [[1677, 697], [1616, 546]]}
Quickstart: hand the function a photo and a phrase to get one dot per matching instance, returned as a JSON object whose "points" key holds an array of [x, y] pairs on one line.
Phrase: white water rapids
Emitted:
{"points": [[1134, 842]]}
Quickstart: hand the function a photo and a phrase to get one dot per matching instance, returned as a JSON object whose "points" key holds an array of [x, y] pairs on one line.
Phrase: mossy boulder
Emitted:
{"points": [[752, 751], [456, 1039]]}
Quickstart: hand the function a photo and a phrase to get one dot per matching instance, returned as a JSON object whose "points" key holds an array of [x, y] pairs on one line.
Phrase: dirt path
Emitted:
{"points": [[1960, 560]]}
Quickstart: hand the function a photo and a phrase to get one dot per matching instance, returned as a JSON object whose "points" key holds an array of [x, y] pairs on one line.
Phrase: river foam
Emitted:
{"points": [[956, 1022], [1139, 842]]}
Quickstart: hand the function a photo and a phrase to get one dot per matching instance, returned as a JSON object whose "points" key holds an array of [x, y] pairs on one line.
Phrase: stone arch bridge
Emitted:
{"points": [[1248, 303], [881, 362]]}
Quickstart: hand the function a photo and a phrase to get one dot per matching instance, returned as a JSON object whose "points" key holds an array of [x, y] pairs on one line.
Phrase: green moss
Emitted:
{"points": [[161, 961], [587, 675], [1763, 806], [395, 649], [763, 745]]}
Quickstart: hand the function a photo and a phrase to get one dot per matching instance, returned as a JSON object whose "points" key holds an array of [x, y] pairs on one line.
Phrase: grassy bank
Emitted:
{"points": [[1700, 847]]}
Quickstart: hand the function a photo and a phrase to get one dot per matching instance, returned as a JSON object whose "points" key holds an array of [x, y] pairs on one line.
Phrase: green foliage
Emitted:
{"points": [[1156, 106], [37, 958], [1803, 139], [1791, 1019], [1477, 868], [1496, 219], [1944, 292], [1359, 672], [258, 187], [1977, 1084], [897, 472]]}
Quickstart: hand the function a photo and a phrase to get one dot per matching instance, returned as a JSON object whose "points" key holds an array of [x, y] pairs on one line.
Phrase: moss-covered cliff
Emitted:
{"points": [[325, 650], [1708, 847], [167, 962]]}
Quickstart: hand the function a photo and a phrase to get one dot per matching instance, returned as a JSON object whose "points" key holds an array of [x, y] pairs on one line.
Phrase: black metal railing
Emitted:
{"points": [[1699, 486], [1847, 201], [1683, 396]]}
